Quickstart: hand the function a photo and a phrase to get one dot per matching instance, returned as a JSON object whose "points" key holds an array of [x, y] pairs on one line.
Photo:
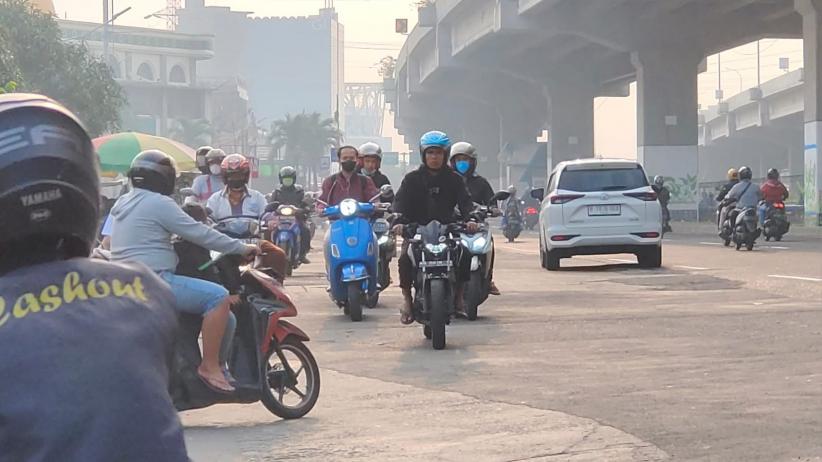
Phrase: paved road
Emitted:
{"points": [[714, 357]]}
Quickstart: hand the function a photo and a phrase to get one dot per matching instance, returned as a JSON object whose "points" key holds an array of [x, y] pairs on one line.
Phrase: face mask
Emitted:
{"points": [[348, 165], [215, 169], [462, 166], [236, 184], [368, 172]]}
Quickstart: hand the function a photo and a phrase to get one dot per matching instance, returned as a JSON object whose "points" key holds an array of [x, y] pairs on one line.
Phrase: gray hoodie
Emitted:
{"points": [[749, 199], [142, 226]]}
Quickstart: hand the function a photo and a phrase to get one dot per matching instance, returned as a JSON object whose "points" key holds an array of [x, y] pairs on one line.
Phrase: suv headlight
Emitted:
{"points": [[348, 207]]}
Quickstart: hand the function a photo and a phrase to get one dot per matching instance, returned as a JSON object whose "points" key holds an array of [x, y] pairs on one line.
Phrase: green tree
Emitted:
{"points": [[33, 54], [193, 132], [306, 139]]}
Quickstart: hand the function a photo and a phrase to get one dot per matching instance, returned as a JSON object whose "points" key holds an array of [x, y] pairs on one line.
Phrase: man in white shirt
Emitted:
{"points": [[236, 198]]}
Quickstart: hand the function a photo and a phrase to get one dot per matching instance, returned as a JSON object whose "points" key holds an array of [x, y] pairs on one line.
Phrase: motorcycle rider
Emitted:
{"points": [[744, 194], [511, 205], [429, 193], [733, 179], [773, 191], [347, 184], [208, 183], [200, 159], [290, 193], [144, 220], [371, 155], [236, 198], [464, 162], [664, 197], [87, 344]]}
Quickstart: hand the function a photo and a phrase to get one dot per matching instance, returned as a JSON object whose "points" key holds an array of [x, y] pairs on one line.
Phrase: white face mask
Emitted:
{"points": [[215, 169]]}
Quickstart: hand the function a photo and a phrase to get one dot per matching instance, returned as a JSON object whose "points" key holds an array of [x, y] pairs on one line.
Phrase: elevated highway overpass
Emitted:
{"points": [[500, 71]]}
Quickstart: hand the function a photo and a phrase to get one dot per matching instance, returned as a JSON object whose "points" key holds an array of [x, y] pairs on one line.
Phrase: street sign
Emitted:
{"points": [[325, 164]]}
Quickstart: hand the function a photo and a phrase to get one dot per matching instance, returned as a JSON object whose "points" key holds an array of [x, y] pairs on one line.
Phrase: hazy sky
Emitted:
{"points": [[369, 32]]}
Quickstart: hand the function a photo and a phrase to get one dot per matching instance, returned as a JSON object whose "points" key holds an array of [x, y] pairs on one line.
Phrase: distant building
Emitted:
{"points": [[289, 65]]}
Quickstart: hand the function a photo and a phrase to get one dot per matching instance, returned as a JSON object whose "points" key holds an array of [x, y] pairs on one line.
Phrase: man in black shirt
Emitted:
{"points": [[290, 193], [429, 193], [87, 345]]}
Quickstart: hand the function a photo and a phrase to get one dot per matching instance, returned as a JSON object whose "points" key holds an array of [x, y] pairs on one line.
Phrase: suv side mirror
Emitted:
{"points": [[501, 196], [538, 194]]}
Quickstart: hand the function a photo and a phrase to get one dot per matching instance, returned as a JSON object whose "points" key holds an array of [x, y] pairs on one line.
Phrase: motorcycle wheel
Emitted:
{"points": [[372, 300], [385, 275], [354, 303], [472, 295], [727, 242], [277, 395], [289, 266], [778, 237], [426, 331], [510, 239], [439, 312], [749, 244]]}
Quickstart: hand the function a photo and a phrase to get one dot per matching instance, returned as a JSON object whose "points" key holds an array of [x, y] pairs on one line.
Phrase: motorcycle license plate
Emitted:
{"points": [[604, 210], [286, 221], [251, 241], [435, 264]]}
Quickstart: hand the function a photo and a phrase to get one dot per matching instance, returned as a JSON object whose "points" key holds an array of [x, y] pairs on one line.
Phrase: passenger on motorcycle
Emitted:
{"points": [[144, 221], [347, 184], [236, 198], [87, 347], [429, 193], [744, 195], [664, 197], [371, 155], [212, 181], [290, 193], [464, 162], [773, 191], [733, 179]]}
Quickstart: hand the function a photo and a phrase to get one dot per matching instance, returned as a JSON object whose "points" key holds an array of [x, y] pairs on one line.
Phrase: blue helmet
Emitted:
{"points": [[434, 139]]}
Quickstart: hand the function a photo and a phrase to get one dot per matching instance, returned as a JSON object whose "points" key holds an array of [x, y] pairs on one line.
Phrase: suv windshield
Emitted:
{"points": [[603, 179]]}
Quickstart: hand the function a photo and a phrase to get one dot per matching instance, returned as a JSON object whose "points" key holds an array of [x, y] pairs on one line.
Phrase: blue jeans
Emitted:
{"points": [[763, 213]]}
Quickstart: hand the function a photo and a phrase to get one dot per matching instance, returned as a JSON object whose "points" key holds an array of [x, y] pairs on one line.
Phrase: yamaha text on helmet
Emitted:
{"points": [[200, 157], [153, 170], [49, 182], [236, 171], [463, 158], [434, 139]]}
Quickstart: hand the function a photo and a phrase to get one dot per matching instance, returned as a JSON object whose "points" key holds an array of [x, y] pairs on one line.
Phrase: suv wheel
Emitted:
{"points": [[650, 258], [551, 260]]}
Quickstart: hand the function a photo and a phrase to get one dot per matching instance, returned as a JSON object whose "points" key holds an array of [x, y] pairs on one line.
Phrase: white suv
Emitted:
{"points": [[599, 206]]}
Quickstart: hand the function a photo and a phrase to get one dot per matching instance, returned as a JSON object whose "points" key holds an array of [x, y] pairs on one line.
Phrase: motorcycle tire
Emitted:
{"points": [[426, 331], [385, 275], [355, 299], [727, 242], [510, 239], [472, 295], [271, 399], [778, 237], [371, 301], [439, 312], [749, 244]]}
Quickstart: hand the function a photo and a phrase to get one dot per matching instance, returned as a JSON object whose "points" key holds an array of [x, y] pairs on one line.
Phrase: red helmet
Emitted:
{"points": [[234, 164]]}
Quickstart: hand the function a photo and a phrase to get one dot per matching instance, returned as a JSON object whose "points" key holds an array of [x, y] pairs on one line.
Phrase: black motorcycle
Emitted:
{"points": [[435, 252], [776, 221], [746, 227], [512, 226], [387, 242]]}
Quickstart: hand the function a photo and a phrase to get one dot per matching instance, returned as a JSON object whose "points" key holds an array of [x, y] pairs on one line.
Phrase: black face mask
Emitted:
{"points": [[348, 165], [236, 184]]}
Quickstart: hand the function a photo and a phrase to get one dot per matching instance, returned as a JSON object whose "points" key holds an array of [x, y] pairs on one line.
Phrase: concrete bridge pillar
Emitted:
{"points": [[570, 121], [811, 11], [667, 127]]}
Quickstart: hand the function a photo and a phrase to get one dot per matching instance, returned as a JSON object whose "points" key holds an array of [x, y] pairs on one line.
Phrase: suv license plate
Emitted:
{"points": [[604, 210]]}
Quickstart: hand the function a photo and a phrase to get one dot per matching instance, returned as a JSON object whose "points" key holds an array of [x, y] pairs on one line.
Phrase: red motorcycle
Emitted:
{"points": [[531, 217], [268, 357]]}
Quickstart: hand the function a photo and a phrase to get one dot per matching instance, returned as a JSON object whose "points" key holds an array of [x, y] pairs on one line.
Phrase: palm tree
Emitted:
{"points": [[306, 139], [192, 132]]}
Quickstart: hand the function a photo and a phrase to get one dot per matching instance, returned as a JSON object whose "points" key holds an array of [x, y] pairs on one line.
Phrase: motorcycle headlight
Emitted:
{"points": [[286, 211], [380, 226], [436, 248], [348, 207], [479, 244], [382, 240]]}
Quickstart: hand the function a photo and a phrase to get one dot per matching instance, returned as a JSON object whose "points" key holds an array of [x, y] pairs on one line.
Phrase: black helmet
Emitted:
{"points": [[288, 172], [745, 173], [773, 174], [200, 157], [153, 170], [49, 181]]}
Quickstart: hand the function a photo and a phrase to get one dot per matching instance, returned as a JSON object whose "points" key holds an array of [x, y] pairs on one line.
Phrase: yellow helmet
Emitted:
{"points": [[733, 174]]}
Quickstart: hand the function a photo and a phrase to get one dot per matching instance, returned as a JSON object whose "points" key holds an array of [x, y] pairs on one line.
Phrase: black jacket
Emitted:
{"points": [[289, 195], [381, 180], [726, 188], [663, 195], [479, 188], [424, 197]]}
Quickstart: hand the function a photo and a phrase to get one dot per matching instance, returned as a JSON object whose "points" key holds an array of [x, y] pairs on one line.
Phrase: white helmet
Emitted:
{"points": [[464, 149], [371, 149]]}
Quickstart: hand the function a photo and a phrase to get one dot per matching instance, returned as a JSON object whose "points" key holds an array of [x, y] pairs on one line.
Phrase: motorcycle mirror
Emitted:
{"points": [[272, 207], [386, 189], [501, 196], [538, 194]]}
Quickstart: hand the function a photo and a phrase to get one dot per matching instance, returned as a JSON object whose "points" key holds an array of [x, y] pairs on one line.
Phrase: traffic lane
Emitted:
{"points": [[696, 364], [786, 273]]}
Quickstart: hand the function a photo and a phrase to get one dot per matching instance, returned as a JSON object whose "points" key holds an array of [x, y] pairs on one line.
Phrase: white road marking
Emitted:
{"points": [[775, 247], [695, 268], [798, 278], [711, 243]]}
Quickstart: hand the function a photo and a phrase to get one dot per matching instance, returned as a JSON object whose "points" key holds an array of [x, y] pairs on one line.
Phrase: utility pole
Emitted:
{"points": [[106, 20], [758, 67]]}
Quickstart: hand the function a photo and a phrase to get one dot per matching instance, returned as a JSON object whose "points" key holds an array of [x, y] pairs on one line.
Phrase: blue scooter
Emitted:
{"points": [[352, 255], [284, 226]]}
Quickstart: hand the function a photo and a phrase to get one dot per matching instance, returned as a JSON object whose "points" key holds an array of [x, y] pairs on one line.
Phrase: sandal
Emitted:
{"points": [[214, 387], [406, 318]]}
